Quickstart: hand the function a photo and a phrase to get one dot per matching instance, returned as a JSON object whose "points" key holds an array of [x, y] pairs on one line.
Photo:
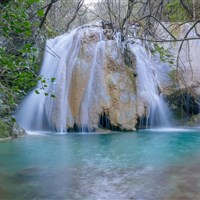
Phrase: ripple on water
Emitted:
{"points": [[117, 166]]}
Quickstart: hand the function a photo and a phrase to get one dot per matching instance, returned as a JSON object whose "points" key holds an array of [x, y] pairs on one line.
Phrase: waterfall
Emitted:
{"points": [[85, 105], [158, 114], [91, 83], [36, 109], [41, 112]]}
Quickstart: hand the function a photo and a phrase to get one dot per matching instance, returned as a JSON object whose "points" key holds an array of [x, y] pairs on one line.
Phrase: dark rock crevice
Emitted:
{"points": [[105, 123], [184, 105]]}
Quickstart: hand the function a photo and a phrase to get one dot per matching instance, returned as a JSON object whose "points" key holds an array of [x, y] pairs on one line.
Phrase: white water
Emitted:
{"points": [[39, 112], [85, 105], [158, 114]]}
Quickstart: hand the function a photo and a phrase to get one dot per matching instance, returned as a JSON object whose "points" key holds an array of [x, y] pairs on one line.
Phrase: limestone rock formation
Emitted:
{"points": [[94, 88], [112, 93]]}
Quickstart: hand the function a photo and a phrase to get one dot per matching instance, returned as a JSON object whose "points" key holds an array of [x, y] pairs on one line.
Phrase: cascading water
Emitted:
{"points": [[85, 105], [91, 84], [158, 113], [35, 111], [42, 112]]}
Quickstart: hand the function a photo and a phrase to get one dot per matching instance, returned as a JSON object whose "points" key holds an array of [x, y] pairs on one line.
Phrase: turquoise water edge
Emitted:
{"points": [[144, 165]]}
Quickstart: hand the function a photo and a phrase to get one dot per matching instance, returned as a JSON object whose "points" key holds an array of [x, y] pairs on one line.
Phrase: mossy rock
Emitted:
{"points": [[5, 129], [194, 120], [4, 109], [17, 131]]}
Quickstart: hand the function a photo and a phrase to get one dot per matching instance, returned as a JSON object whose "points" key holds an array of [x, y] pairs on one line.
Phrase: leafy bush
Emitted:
{"points": [[176, 11], [19, 22]]}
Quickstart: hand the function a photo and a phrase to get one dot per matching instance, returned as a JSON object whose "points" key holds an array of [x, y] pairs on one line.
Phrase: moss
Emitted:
{"points": [[194, 120], [5, 117], [172, 75], [5, 129], [4, 109]]}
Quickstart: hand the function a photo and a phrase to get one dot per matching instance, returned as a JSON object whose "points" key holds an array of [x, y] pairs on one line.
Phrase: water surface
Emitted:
{"points": [[146, 165]]}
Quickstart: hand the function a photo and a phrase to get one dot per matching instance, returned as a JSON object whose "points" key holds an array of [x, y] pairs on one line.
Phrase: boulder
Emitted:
{"points": [[100, 88]]}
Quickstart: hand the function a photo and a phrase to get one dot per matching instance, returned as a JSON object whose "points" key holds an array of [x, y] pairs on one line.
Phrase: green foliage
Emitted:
{"points": [[44, 83], [172, 74], [176, 12], [5, 129], [19, 35], [40, 13], [194, 120], [165, 55]]}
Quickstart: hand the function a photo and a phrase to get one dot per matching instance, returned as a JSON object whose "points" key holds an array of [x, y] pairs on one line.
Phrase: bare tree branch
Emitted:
{"points": [[79, 5], [46, 12]]}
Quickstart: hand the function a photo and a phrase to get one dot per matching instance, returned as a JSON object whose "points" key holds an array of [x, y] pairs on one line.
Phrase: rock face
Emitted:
{"points": [[186, 75], [101, 92], [101, 86], [181, 84], [96, 85], [120, 86], [8, 128], [189, 66], [94, 88]]}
